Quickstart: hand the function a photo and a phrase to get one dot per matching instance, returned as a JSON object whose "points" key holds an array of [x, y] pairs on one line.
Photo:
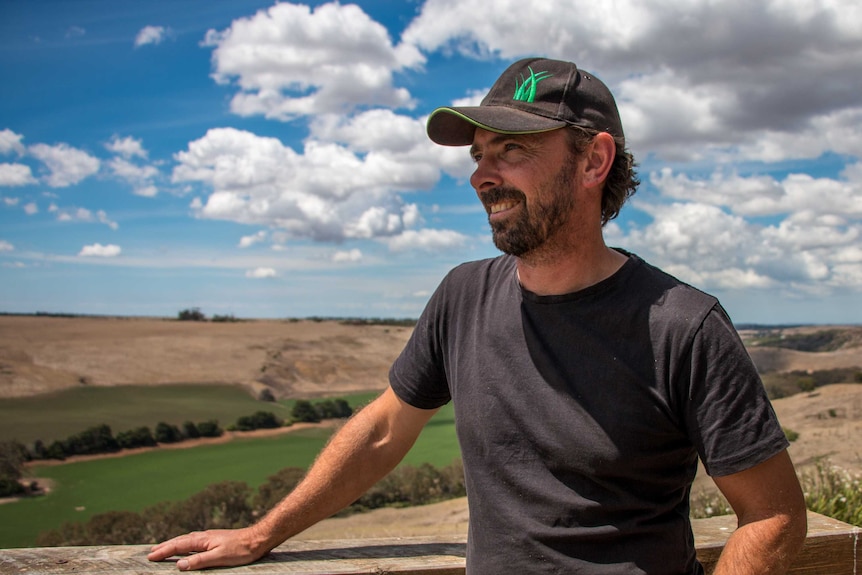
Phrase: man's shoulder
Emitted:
{"points": [[670, 300], [668, 283]]}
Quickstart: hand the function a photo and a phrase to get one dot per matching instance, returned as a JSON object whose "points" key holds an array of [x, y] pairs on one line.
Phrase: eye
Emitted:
{"points": [[476, 157], [512, 146]]}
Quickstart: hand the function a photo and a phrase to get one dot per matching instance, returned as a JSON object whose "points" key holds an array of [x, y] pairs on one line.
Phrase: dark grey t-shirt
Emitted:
{"points": [[581, 417]]}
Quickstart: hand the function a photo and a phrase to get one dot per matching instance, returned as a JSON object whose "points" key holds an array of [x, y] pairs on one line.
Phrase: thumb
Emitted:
{"points": [[197, 561]]}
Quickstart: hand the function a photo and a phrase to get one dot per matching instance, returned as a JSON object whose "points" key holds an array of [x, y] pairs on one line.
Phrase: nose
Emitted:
{"points": [[486, 175]]}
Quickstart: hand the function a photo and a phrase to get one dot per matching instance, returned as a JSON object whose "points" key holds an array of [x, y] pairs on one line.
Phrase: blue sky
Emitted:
{"points": [[269, 160]]}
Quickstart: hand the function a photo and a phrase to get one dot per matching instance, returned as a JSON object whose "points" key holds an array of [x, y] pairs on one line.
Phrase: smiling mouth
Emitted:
{"points": [[501, 207]]}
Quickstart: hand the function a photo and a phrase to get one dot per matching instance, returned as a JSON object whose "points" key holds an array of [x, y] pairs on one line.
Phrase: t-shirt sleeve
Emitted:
{"points": [[418, 375], [729, 416]]}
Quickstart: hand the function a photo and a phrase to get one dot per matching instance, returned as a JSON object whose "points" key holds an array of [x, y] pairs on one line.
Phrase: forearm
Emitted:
{"points": [[367, 448], [763, 547]]}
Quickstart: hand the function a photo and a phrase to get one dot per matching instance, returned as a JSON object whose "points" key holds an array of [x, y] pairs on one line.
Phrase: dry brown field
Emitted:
{"points": [[311, 358], [40, 354]]}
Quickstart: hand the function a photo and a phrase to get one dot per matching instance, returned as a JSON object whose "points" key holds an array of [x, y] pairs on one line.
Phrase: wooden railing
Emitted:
{"points": [[832, 548]]}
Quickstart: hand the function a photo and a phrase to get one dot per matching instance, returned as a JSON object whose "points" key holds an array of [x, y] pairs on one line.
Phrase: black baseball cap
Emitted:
{"points": [[533, 95]]}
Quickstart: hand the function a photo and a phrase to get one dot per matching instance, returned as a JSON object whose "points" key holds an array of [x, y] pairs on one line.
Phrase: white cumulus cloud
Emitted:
{"points": [[290, 61], [127, 147], [6, 246], [139, 176], [326, 193], [693, 79], [16, 175], [11, 142], [67, 165], [728, 231]]}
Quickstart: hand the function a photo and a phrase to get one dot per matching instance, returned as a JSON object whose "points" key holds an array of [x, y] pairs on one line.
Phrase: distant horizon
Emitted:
{"points": [[362, 319]]}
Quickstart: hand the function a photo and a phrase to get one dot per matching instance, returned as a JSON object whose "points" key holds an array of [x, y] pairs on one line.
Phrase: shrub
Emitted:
{"points": [[110, 528], [191, 314], [140, 437], [259, 420], [12, 458], [304, 412], [167, 433], [10, 487], [806, 384], [333, 409], [790, 434], [98, 439], [56, 451], [220, 506], [190, 430], [223, 505], [210, 428], [276, 488], [408, 485], [833, 492], [708, 503]]}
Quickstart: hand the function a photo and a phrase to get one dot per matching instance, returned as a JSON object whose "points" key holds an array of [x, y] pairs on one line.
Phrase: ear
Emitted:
{"points": [[598, 159]]}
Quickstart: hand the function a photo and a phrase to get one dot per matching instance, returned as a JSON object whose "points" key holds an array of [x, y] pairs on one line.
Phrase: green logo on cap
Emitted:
{"points": [[526, 90]]}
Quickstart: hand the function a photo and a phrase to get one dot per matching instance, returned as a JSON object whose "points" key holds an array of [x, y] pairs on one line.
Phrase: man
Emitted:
{"points": [[585, 382]]}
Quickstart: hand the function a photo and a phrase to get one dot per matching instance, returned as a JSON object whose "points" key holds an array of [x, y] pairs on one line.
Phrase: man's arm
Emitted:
{"points": [[772, 520], [368, 447]]}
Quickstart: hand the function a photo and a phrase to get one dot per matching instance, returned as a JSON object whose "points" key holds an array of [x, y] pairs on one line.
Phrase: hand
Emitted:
{"points": [[215, 548]]}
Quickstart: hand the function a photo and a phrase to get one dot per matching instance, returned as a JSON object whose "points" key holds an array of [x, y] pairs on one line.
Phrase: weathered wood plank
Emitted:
{"points": [[419, 555], [832, 548]]}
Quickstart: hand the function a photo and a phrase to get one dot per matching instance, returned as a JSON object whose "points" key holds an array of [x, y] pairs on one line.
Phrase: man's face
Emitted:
{"points": [[526, 184]]}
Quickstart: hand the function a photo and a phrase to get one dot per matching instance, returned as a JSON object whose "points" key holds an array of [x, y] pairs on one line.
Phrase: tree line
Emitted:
{"points": [[233, 504], [100, 439]]}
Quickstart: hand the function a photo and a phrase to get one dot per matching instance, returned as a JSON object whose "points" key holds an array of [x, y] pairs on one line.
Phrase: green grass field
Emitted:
{"points": [[135, 482]]}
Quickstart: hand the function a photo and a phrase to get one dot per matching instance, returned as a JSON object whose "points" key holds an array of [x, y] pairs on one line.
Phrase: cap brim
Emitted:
{"points": [[455, 126]]}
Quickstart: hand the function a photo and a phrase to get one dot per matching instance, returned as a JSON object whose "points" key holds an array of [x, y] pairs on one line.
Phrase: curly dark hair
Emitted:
{"points": [[622, 181]]}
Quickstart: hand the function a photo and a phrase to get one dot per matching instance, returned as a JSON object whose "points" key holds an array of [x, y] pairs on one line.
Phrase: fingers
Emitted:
{"points": [[190, 543], [202, 561]]}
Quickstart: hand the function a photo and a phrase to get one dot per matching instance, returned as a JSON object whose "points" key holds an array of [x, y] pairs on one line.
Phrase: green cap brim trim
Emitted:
{"points": [[443, 130]]}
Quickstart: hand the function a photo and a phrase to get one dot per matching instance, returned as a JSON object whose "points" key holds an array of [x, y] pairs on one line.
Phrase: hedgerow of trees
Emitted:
{"points": [[100, 439]]}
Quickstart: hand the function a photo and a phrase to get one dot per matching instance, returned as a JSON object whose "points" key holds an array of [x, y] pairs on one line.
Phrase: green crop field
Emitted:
{"points": [[138, 481]]}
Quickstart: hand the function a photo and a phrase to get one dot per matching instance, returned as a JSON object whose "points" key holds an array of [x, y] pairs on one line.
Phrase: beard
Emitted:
{"points": [[537, 223]]}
